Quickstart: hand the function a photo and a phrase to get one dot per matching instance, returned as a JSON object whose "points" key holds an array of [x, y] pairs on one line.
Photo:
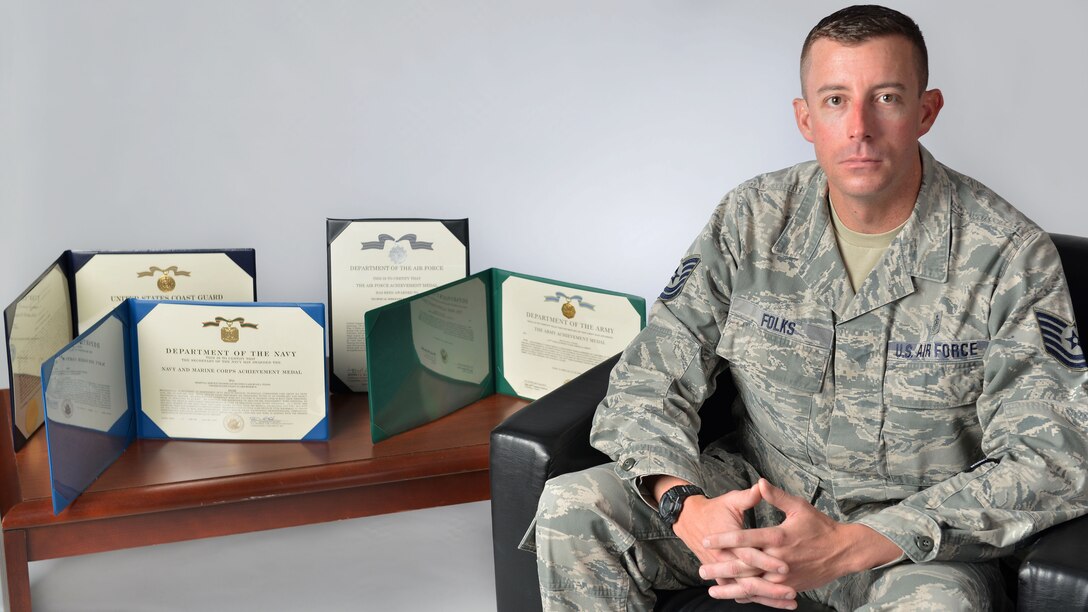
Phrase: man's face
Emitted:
{"points": [[864, 113]]}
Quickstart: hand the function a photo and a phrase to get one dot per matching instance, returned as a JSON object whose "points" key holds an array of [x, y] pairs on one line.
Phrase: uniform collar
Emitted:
{"points": [[921, 250], [930, 242]]}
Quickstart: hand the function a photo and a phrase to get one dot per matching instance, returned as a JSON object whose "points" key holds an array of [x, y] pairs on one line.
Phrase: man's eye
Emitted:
{"points": [[886, 98], [834, 101]]}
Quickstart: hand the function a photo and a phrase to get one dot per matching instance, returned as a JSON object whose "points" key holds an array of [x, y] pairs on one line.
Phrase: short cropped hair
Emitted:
{"points": [[857, 24]]}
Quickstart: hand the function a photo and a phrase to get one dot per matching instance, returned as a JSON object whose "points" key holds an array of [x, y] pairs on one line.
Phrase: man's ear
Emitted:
{"points": [[932, 103], [800, 112]]}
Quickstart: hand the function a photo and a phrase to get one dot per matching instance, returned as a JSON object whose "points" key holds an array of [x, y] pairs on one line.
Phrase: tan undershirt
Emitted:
{"points": [[860, 252]]}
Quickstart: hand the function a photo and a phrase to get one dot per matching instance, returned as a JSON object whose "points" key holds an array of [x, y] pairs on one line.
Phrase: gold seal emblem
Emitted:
{"points": [[233, 423], [568, 310], [229, 333], [167, 283]]}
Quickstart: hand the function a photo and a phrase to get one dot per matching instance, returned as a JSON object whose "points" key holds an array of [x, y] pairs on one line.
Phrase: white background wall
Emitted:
{"points": [[586, 140]]}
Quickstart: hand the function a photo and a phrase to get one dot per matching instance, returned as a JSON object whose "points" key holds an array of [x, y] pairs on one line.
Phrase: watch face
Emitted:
{"points": [[668, 510], [672, 502]]}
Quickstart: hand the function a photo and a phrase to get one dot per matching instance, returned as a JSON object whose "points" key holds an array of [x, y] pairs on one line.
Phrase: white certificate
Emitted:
{"points": [[376, 262], [449, 332], [553, 333], [232, 372], [41, 326], [108, 278], [87, 386]]}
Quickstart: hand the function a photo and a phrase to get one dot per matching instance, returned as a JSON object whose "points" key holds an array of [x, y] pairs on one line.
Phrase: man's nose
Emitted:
{"points": [[859, 122]]}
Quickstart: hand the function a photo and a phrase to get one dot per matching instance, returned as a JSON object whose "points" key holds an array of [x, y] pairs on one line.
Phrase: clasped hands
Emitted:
{"points": [[771, 565]]}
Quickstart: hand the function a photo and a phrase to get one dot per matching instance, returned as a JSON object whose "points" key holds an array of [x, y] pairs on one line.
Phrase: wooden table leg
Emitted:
{"points": [[18, 571]]}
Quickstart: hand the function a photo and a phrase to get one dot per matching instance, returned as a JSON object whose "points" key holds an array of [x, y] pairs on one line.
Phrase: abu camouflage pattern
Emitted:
{"points": [[885, 398], [833, 383], [632, 552]]}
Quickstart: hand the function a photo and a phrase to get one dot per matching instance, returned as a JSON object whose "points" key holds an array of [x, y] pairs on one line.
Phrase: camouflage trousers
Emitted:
{"points": [[599, 546]]}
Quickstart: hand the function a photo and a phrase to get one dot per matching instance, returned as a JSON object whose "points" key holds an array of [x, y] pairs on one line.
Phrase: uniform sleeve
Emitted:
{"points": [[1033, 412], [649, 421]]}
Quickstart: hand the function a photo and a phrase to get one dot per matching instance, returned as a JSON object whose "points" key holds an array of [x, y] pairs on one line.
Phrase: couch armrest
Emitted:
{"points": [[546, 438], [1054, 573]]}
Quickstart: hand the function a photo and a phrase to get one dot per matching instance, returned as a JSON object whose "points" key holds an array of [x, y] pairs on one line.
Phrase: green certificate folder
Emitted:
{"points": [[492, 332]]}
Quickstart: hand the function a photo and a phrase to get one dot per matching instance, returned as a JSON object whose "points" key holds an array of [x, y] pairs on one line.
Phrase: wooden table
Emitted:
{"points": [[169, 491]]}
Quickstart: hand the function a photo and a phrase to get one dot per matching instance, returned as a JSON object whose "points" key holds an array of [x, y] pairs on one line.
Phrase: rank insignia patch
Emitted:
{"points": [[1060, 339], [679, 278]]}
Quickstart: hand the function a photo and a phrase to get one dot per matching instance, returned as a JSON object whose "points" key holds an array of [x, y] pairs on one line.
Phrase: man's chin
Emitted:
{"points": [[861, 190]]}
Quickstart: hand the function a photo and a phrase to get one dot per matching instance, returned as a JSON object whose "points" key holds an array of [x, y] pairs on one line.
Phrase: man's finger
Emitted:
{"points": [[782, 604], [779, 498], [752, 557], [746, 499], [733, 568], [763, 538], [751, 588], [755, 557]]}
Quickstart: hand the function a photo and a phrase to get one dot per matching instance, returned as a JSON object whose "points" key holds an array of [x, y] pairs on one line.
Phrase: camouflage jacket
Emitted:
{"points": [[943, 404]]}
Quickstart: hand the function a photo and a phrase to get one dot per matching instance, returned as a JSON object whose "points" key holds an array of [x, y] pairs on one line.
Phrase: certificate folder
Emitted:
{"points": [[80, 287], [492, 332], [190, 370], [377, 261]]}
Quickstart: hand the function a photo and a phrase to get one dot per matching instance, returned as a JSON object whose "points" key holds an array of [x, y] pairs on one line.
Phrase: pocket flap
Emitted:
{"points": [[781, 343], [932, 384]]}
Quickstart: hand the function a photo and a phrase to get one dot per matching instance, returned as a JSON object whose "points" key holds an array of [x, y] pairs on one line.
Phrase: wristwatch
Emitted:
{"points": [[672, 502]]}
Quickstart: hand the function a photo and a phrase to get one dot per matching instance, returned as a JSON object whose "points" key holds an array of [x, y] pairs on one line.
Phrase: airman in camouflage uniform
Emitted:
{"points": [[942, 404]]}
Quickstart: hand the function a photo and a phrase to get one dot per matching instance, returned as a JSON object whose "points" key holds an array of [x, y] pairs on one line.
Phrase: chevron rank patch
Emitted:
{"points": [[679, 278], [1060, 339]]}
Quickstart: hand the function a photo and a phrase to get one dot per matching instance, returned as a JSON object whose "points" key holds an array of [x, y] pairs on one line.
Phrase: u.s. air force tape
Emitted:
{"points": [[1061, 341], [679, 278], [938, 351]]}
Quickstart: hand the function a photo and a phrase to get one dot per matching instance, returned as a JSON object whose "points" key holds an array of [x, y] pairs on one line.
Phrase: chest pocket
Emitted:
{"points": [[936, 346], [784, 343], [931, 428], [929, 385]]}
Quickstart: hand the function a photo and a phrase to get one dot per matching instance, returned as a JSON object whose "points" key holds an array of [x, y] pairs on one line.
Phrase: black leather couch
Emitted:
{"points": [[551, 437]]}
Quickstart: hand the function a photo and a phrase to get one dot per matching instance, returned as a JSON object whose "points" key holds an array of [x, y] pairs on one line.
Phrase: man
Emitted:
{"points": [[912, 388]]}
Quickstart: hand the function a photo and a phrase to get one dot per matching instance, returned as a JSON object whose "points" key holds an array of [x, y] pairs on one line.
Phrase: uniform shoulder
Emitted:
{"points": [[783, 189], [976, 206], [794, 179], [752, 215]]}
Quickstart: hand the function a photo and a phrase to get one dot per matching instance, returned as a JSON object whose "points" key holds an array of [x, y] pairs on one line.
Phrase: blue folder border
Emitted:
{"points": [[117, 429], [130, 313]]}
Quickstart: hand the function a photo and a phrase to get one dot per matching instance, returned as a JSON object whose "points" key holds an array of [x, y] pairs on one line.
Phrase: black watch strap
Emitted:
{"points": [[672, 502]]}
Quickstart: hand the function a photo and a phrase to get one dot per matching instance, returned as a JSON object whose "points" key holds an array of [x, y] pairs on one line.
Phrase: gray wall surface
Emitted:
{"points": [[586, 140]]}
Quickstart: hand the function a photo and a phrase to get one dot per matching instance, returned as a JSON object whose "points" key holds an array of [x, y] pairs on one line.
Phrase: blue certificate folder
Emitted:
{"points": [[233, 371], [80, 287], [493, 332]]}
